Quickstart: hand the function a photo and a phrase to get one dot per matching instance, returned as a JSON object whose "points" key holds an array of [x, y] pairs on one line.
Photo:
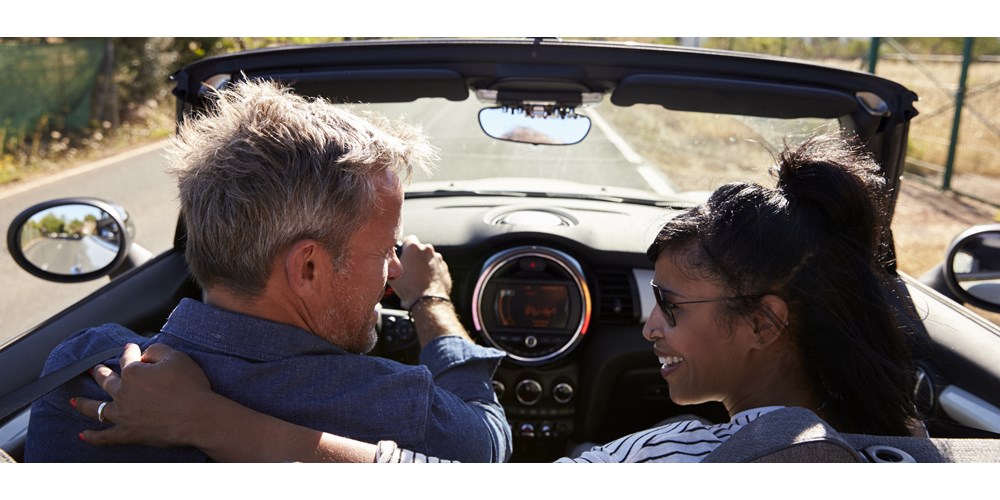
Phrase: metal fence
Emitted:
{"points": [[48, 82], [955, 140]]}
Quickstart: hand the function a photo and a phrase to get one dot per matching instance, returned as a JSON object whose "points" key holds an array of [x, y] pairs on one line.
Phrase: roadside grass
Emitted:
{"points": [[27, 155]]}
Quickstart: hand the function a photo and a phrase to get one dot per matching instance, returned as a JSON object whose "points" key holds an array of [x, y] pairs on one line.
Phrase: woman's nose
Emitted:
{"points": [[653, 329]]}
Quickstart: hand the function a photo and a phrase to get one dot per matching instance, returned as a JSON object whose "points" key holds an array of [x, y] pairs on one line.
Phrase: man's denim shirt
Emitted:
{"points": [[444, 407]]}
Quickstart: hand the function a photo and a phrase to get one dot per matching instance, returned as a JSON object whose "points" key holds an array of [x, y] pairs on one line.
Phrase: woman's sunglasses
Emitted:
{"points": [[668, 307]]}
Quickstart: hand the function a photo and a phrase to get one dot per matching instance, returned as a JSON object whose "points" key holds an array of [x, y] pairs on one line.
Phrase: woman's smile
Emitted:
{"points": [[668, 364]]}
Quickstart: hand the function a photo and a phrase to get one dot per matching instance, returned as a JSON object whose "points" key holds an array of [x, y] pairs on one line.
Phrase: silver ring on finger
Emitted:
{"points": [[100, 411]]}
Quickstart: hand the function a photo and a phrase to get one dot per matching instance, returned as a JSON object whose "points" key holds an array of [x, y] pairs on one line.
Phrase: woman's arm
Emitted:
{"points": [[194, 415]]}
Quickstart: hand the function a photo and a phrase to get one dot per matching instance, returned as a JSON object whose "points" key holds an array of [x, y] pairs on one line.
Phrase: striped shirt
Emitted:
{"points": [[685, 441]]}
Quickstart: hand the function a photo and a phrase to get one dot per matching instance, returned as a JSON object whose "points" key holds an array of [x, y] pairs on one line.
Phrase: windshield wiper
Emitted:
{"points": [[442, 193], [674, 204]]}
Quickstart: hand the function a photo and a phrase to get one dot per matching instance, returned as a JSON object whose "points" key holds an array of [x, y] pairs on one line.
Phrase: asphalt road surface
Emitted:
{"points": [[70, 255]]}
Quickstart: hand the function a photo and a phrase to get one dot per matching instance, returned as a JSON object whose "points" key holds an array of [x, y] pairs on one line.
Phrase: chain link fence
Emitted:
{"points": [[955, 140]]}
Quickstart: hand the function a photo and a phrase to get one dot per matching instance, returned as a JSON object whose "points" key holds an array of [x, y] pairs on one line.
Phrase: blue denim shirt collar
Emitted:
{"points": [[242, 335]]}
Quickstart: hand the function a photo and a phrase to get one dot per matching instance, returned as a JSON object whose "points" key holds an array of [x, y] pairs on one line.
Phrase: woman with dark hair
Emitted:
{"points": [[766, 298], [800, 267]]}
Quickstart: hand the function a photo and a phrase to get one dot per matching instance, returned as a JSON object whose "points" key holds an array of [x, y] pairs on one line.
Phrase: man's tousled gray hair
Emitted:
{"points": [[263, 168]]}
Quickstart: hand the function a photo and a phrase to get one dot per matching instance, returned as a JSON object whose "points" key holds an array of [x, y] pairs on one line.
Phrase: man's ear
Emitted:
{"points": [[770, 322], [300, 265]]}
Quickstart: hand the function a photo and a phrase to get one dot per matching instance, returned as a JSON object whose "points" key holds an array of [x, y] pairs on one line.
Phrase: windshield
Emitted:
{"points": [[641, 152]]}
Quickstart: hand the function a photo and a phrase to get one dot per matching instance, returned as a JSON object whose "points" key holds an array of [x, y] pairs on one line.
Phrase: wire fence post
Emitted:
{"points": [[873, 53], [959, 101]]}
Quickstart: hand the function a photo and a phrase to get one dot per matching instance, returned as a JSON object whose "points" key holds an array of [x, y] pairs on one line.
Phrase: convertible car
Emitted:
{"points": [[559, 161]]}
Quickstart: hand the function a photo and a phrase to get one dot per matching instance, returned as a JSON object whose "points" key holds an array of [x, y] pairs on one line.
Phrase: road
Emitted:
{"points": [[135, 180], [84, 254], [466, 153]]}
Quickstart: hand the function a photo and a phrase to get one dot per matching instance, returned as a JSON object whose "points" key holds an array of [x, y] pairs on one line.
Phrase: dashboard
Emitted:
{"points": [[559, 285]]}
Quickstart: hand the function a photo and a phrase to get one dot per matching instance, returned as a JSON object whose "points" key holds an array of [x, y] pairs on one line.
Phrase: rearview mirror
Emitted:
{"points": [[517, 125], [70, 240], [973, 266]]}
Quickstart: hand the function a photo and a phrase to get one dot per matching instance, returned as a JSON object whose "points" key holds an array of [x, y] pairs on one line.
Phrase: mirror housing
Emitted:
{"points": [[972, 267], [70, 240]]}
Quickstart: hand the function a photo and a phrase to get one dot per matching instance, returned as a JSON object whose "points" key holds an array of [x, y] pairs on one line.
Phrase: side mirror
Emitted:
{"points": [[972, 268], [70, 240], [518, 125]]}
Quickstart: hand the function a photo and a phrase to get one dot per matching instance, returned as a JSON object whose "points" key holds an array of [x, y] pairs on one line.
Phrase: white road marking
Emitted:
{"points": [[652, 175]]}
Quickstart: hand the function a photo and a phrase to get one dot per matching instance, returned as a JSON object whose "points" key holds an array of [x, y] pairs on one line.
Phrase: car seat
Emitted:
{"points": [[798, 435]]}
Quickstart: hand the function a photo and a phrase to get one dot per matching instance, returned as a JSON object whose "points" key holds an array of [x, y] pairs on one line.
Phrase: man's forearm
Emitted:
{"points": [[436, 318], [230, 432]]}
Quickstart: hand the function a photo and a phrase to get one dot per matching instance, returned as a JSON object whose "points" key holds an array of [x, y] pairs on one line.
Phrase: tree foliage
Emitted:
{"points": [[143, 65]]}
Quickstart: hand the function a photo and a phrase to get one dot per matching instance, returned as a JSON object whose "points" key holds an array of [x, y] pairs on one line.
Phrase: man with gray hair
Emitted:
{"points": [[292, 209]]}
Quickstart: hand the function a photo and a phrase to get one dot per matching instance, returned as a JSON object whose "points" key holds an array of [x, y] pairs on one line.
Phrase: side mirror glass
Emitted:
{"points": [[70, 240], [974, 266], [516, 125]]}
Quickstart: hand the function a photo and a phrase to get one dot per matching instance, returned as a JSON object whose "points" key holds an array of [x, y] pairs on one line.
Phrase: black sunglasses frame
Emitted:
{"points": [[668, 307]]}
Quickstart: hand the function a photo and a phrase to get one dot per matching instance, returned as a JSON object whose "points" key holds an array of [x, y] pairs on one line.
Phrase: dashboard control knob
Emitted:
{"points": [[528, 391], [530, 341], [546, 430], [498, 388], [405, 330], [387, 329], [562, 393], [527, 430]]}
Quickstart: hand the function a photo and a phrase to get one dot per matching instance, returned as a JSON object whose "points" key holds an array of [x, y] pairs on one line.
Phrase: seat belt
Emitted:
{"points": [[21, 398]]}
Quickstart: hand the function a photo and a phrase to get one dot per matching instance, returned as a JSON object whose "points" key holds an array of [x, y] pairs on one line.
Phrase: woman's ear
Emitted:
{"points": [[770, 322]]}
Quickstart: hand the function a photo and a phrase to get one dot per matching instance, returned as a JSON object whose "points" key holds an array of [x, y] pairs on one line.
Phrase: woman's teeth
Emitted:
{"points": [[670, 360]]}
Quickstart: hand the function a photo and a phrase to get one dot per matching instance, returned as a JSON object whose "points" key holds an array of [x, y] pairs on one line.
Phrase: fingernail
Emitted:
{"points": [[72, 402], [80, 435]]}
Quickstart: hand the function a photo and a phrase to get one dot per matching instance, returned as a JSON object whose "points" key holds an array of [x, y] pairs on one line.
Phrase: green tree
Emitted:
{"points": [[51, 223]]}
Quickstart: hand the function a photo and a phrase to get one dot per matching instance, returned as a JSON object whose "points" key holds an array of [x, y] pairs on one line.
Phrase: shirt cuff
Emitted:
{"points": [[450, 351]]}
